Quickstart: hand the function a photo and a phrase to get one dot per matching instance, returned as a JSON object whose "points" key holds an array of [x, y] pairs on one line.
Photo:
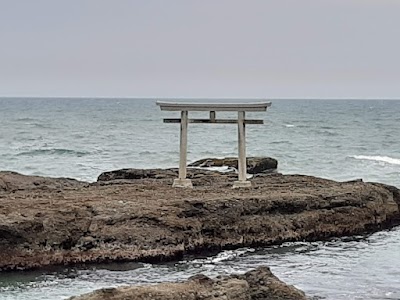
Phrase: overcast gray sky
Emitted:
{"points": [[207, 48]]}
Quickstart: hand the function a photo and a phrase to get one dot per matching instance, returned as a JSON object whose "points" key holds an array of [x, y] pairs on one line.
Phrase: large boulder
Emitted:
{"points": [[254, 164], [258, 284]]}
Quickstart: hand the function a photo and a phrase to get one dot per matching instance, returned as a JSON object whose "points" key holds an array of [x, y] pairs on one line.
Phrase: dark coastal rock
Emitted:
{"points": [[254, 164], [256, 284], [199, 176], [129, 174], [148, 220], [12, 181]]}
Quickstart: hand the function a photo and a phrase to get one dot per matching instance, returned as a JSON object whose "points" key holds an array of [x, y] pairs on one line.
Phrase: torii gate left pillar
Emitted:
{"points": [[182, 181]]}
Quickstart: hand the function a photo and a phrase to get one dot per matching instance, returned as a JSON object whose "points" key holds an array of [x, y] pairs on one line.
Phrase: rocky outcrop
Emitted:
{"points": [[147, 220], [12, 181], [257, 284], [254, 164]]}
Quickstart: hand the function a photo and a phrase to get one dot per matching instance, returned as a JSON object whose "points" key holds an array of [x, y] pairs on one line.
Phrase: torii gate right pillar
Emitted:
{"points": [[242, 164]]}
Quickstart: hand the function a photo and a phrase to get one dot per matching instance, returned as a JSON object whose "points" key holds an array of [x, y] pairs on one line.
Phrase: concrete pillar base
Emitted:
{"points": [[241, 184], [182, 183]]}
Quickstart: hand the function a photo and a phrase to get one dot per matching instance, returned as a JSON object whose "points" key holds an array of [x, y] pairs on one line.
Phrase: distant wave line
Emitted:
{"points": [[56, 151], [386, 159], [25, 119]]}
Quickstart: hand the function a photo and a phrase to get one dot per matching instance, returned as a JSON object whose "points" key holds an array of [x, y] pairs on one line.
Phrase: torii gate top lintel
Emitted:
{"points": [[241, 108], [194, 106]]}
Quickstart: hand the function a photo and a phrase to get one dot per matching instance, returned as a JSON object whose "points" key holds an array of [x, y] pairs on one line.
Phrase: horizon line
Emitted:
{"points": [[189, 98]]}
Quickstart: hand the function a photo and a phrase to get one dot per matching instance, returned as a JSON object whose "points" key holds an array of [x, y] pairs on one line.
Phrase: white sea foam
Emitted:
{"points": [[290, 125], [222, 169], [386, 159], [223, 256], [230, 254]]}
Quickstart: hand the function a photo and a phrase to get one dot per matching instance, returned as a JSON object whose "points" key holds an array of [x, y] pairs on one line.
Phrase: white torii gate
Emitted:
{"points": [[241, 108]]}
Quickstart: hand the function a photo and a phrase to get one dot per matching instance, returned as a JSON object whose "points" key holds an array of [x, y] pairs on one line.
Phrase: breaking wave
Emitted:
{"points": [[386, 159]]}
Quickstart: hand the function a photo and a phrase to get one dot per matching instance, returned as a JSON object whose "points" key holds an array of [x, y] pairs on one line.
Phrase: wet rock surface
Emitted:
{"points": [[257, 284], [146, 219], [128, 174]]}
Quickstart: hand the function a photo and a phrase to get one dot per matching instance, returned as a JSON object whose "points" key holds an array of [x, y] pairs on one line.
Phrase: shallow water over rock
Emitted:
{"points": [[363, 267]]}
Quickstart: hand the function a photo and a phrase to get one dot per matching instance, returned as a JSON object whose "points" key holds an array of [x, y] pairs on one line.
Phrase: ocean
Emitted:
{"points": [[335, 139]]}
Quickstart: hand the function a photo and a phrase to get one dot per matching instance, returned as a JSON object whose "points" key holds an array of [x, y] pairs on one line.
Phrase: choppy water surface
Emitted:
{"points": [[350, 268], [341, 140], [80, 138]]}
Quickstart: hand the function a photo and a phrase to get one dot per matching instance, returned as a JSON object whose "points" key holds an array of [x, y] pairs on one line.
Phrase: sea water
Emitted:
{"points": [[335, 139]]}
